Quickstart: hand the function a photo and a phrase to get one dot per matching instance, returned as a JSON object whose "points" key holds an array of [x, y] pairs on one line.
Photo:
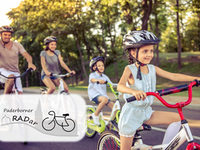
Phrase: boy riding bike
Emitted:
{"points": [[97, 87], [138, 78]]}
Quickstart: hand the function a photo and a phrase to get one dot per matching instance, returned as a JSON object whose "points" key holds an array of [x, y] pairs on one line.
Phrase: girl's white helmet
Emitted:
{"points": [[50, 39], [137, 39]]}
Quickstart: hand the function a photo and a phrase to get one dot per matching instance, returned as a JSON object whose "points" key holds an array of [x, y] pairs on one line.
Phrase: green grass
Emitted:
{"points": [[168, 56], [196, 90], [189, 68], [115, 70], [82, 88]]}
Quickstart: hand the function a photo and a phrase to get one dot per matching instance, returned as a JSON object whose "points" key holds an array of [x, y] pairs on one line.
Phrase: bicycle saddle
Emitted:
{"points": [[65, 115]]}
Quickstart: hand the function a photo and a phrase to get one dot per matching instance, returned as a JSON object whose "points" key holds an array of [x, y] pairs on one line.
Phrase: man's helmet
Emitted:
{"points": [[137, 39], [49, 39], [94, 61], [6, 29]]}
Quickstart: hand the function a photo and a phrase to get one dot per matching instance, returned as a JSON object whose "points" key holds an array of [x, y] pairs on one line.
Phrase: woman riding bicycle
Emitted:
{"points": [[50, 61], [97, 87], [140, 77]]}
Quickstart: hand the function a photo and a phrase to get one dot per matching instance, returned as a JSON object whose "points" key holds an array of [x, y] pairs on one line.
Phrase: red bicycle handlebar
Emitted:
{"points": [[176, 89]]}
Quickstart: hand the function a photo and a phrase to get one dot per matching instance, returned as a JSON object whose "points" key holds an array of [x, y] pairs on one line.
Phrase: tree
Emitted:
{"points": [[178, 35], [147, 8]]}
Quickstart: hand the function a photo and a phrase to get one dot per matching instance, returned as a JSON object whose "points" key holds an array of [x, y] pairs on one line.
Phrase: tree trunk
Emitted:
{"points": [[147, 8], [198, 14], [82, 60], [157, 33], [116, 71], [88, 47], [27, 83], [104, 42], [178, 35]]}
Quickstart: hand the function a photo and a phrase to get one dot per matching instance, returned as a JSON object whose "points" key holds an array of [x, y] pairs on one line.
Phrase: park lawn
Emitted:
{"points": [[196, 91], [168, 62]]}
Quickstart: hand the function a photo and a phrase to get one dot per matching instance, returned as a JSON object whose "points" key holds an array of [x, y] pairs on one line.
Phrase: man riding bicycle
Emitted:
{"points": [[9, 59]]}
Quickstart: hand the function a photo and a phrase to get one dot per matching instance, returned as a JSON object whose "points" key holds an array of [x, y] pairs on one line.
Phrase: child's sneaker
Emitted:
{"points": [[95, 119]]}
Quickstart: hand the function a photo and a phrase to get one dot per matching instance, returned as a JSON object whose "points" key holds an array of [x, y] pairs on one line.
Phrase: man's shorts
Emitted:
{"points": [[8, 73]]}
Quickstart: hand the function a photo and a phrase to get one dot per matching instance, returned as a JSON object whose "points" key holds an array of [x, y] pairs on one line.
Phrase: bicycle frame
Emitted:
{"points": [[61, 89], [65, 118], [103, 122], [185, 133]]}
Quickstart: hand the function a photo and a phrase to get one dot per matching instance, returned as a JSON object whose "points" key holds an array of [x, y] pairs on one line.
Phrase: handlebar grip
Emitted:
{"points": [[26, 72], [197, 82], [131, 99], [104, 83], [52, 74], [29, 69]]}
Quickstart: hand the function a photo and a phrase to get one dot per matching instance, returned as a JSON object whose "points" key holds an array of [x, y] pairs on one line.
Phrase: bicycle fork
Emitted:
{"points": [[183, 135]]}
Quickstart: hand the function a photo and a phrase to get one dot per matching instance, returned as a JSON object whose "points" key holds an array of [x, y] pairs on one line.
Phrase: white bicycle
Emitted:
{"points": [[61, 89], [15, 89], [110, 140]]}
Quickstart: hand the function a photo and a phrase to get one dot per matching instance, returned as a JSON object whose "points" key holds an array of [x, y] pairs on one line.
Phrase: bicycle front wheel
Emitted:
{"points": [[70, 125], [48, 125], [109, 140], [90, 133]]}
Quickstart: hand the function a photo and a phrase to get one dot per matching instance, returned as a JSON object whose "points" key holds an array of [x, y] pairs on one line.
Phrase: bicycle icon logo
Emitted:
{"points": [[64, 121]]}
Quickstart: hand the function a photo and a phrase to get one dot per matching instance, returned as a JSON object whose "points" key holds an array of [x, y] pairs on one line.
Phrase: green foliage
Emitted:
{"points": [[88, 28], [192, 34]]}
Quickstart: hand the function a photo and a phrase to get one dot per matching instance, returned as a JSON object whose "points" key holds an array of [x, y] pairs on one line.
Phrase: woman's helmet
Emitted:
{"points": [[49, 39], [6, 29], [137, 39], [94, 61]]}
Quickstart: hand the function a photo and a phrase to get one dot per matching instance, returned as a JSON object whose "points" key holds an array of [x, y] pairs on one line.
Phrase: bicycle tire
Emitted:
{"points": [[44, 124], [109, 140], [90, 133], [70, 127]]}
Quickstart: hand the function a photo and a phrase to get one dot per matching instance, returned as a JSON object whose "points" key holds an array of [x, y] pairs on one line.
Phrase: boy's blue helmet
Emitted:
{"points": [[94, 61], [137, 39]]}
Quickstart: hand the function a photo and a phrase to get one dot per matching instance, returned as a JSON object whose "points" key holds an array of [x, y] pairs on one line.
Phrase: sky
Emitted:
{"points": [[5, 7]]}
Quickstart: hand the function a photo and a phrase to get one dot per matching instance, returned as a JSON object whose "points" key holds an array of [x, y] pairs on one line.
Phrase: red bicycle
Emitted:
{"points": [[109, 140]]}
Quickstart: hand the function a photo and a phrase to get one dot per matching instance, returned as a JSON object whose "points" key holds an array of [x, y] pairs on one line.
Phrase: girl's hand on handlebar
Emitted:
{"points": [[139, 95], [48, 74], [73, 72], [101, 81]]}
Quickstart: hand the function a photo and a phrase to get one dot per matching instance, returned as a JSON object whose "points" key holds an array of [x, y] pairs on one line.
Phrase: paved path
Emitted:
{"points": [[195, 104]]}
